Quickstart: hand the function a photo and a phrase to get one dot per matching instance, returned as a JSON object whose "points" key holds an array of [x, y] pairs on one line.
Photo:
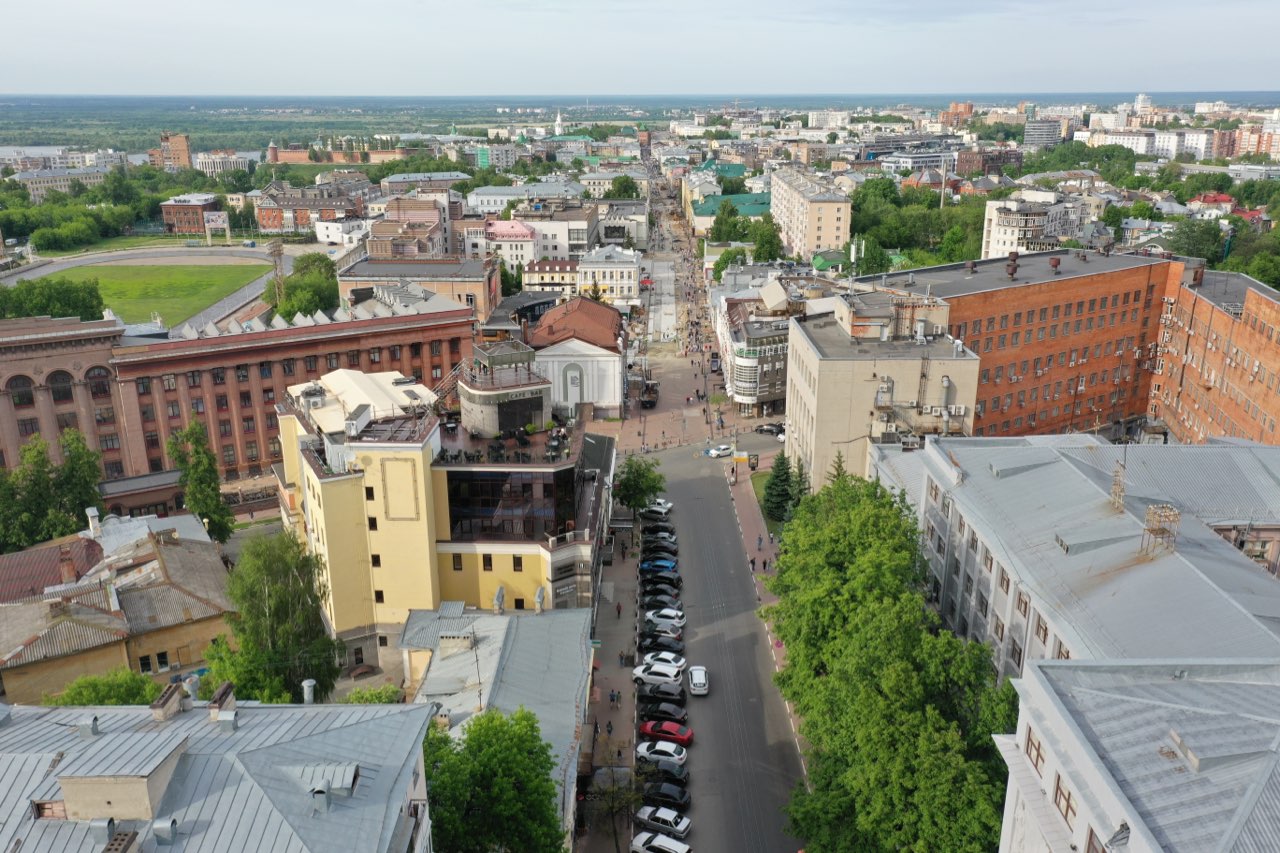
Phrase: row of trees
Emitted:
{"points": [[898, 714], [52, 297], [912, 221]]}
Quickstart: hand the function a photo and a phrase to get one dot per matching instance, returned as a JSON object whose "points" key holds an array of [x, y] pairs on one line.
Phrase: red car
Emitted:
{"points": [[668, 731]]}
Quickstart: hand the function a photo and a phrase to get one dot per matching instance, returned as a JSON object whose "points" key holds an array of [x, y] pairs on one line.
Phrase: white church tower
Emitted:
{"points": [[559, 125]]}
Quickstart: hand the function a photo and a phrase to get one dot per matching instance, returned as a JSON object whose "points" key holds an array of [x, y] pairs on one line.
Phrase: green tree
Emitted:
{"points": [[1113, 218], [75, 481], [832, 137], [623, 186], [898, 714], [799, 486], [249, 670], [120, 686], [53, 297], [766, 239], [40, 501], [837, 471], [728, 226], [512, 280], [736, 255], [613, 804], [595, 292], [278, 590], [236, 181], [189, 449], [387, 694], [312, 286], [731, 186], [871, 258], [777, 489], [492, 789], [638, 482], [1197, 238]]}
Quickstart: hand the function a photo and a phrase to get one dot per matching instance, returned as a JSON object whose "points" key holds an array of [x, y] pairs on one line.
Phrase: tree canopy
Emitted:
{"points": [[638, 482], [202, 493], [765, 238], [39, 500], [727, 258], [312, 286], [492, 789], [623, 186], [728, 226], [56, 296], [120, 686], [1197, 238], [777, 489], [280, 635], [898, 714]]}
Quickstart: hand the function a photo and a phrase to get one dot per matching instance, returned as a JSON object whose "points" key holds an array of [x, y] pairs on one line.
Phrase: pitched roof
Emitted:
{"points": [[1188, 748], [580, 318], [27, 573], [262, 775]]}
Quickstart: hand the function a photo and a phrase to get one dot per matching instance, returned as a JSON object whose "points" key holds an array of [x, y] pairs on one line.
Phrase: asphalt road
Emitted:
{"points": [[744, 762]]}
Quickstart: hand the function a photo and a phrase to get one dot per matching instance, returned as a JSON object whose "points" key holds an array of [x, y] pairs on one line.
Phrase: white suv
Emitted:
{"points": [[699, 685], [656, 842], [656, 673]]}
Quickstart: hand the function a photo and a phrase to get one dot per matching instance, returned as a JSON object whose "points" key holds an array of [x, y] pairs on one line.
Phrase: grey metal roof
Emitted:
{"points": [[248, 789], [1192, 746], [541, 662], [1201, 599]]}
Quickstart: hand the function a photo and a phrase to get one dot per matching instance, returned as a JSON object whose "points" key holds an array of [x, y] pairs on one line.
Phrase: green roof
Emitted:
{"points": [[569, 138], [831, 258], [727, 170], [748, 204]]}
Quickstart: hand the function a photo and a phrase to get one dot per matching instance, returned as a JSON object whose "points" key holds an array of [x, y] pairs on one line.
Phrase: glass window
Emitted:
{"points": [[21, 392], [1064, 801], [242, 372], [311, 362], [264, 369], [193, 379], [287, 366], [1035, 751], [219, 375], [174, 409], [143, 385], [60, 383], [228, 454], [169, 382], [28, 426], [144, 664], [162, 660], [68, 420]]}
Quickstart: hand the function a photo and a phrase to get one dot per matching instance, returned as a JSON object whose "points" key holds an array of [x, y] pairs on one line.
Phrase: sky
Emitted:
{"points": [[628, 47]]}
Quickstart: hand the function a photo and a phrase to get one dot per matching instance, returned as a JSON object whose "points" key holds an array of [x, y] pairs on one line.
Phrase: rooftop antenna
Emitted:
{"points": [[1161, 528]]}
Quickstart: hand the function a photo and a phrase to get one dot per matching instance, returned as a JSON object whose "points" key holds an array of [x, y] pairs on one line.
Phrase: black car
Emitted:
{"points": [[659, 527], [649, 546], [655, 643], [672, 693], [661, 711], [769, 429], [661, 579], [662, 770], [658, 588], [657, 602], [666, 794]]}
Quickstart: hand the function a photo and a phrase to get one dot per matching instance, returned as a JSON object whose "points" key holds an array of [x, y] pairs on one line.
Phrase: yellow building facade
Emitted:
{"points": [[365, 481]]}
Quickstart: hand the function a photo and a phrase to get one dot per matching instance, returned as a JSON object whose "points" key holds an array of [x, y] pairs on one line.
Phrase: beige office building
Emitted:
{"points": [[812, 215], [880, 369]]}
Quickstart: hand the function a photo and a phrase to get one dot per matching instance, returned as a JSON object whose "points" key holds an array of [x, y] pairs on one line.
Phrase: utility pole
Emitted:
{"points": [[276, 250]]}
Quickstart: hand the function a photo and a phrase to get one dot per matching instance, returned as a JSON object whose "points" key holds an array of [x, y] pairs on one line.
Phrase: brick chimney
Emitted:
{"points": [[67, 565]]}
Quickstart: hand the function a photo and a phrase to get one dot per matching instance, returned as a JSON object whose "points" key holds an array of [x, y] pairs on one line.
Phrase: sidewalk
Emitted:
{"points": [[751, 523], [617, 635]]}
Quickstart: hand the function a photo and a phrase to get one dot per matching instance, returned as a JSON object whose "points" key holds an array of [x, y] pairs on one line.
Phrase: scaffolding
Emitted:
{"points": [[1161, 529]]}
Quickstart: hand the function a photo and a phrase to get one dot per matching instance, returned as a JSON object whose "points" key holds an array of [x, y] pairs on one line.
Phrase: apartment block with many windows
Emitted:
{"points": [[811, 214]]}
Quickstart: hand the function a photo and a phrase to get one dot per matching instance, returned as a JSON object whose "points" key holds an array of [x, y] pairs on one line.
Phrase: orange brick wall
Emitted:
{"points": [[1033, 334], [1219, 371]]}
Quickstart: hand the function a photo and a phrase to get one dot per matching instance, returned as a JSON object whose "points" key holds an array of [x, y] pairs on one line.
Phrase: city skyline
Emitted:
{"points": [[547, 49]]}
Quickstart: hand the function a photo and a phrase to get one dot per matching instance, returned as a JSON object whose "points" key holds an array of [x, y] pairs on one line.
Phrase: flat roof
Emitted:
{"points": [[832, 342], [424, 269], [1227, 290], [1033, 268]]}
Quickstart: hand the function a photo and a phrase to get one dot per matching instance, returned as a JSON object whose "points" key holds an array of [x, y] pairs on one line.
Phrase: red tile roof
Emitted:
{"points": [[1213, 198], [27, 573], [581, 318]]}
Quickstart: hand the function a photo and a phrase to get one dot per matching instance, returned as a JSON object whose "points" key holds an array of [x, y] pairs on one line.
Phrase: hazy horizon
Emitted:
{"points": [[548, 49]]}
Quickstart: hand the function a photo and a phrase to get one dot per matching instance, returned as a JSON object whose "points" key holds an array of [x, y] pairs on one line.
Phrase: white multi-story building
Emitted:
{"points": [[599, 183], [1203, 107], [513, 241], [615, 270], [216, 162], [828, 119], [1142, 104], [1071, 547], [1014, 225], [812, 215], [341, 232], [1168, 143], [917, 161], [1153, 756], [1137, 141], [496, 199]]}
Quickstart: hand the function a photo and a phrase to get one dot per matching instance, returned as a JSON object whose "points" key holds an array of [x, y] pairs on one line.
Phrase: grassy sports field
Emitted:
{"points": [[176, 293]]}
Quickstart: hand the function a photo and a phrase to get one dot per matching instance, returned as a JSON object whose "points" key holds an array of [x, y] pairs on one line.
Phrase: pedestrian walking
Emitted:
{"points": [[753, 564], [608, 727], [622, 659], [759, 542], [765, 567], [770, 537], [618, 607], [597, 724]]}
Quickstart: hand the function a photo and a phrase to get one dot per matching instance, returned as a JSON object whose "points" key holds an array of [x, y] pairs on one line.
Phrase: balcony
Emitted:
{"points": [[554, 448]]}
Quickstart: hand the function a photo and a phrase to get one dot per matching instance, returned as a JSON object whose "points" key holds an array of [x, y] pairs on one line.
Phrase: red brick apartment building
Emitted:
{"points": [[129, 394], [184, 214], [1068, 341]]}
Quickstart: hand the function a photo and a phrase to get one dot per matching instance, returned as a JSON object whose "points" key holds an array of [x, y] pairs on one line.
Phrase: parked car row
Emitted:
{"points": [[664, 736]]}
